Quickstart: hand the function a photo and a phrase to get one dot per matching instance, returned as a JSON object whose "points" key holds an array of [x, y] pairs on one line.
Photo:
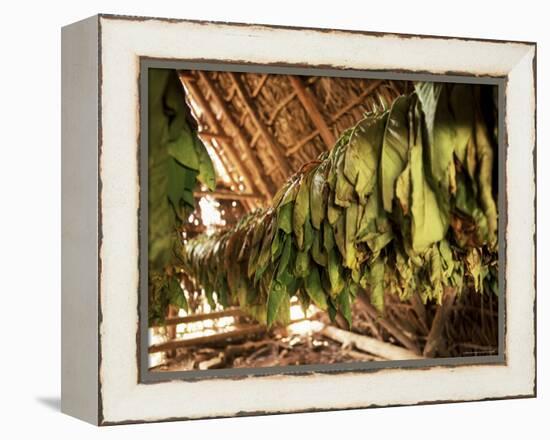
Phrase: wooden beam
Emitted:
{"points": [[282, 103], [219, 137], [203, 316], [309, 102], [217, 337], [260, 85], [262, 128], [229, 195], [253, 161], [298, 145], [370, 88]]}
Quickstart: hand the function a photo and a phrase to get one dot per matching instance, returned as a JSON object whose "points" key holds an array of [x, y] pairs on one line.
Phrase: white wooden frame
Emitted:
{"points": [[100, 266]]}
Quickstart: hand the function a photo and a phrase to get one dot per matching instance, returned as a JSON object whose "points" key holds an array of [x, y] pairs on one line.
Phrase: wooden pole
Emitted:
{"points": [[253, 161], [309, 102], [262, 128]]}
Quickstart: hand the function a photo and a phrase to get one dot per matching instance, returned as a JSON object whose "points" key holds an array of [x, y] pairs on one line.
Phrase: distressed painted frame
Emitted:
{"points": [[101, 61]]}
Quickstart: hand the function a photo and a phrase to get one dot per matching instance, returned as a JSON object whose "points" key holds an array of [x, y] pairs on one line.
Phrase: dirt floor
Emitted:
{"points": [[300, 343], [471, 331]]}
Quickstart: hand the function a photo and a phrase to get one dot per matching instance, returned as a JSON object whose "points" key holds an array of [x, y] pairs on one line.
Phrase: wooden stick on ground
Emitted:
{"points": [[387, 325], [369, 345], [218, 337], [435, 337], [214, 362]]}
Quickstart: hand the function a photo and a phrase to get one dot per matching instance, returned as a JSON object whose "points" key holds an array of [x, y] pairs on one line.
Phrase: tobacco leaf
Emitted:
{"points": [[395, 148], [429, 219], [440, 127], [301, 211], [315, 290], [344, 305], [276, 297], [317, 197], [376, 282], [346, 230]]}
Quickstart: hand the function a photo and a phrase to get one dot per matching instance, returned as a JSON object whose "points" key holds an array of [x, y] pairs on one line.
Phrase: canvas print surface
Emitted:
{"points": [[315, 220]]}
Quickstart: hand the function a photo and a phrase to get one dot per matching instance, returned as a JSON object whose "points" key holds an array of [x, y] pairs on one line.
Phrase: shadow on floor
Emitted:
{"points": [[52, 403]]}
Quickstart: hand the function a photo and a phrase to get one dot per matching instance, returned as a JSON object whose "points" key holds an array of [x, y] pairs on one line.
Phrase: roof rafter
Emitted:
{"points": [[220, 134], [262, 128], [309, 102], [254, 162]]}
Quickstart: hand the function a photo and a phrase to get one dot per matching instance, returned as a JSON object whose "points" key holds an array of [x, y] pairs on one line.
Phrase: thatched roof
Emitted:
{"points": [[261, 128]]}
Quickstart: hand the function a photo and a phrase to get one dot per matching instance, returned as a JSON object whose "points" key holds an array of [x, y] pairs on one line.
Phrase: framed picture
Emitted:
{"points": [[262, 220]]}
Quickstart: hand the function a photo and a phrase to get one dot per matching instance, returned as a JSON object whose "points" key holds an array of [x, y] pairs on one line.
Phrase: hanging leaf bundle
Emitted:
{"points": [[177, 162], [403, 203]]}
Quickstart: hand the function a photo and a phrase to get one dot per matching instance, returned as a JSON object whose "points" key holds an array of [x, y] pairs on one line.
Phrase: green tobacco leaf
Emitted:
{"points": [[376, 281], [447, 258], [485, 176], [340, 236], [207, 174], [275, 298], [176, 185], [344, 189], [208, 291], [334, 212], [315, 290], [278, 197], [172, 164], [277, 245], [302, 264], [309, 234], [183, 150], [361, 160], [317, 197], [301, 211], [350, 260], [328, 236], [317, 251], [265, 251], [176, 295], [395, 148], [335, 272], [284, 218], [403, 189], [344, 304], [440, 127], [352, 231], [429, 220], [286, 255], [461, 102]]}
